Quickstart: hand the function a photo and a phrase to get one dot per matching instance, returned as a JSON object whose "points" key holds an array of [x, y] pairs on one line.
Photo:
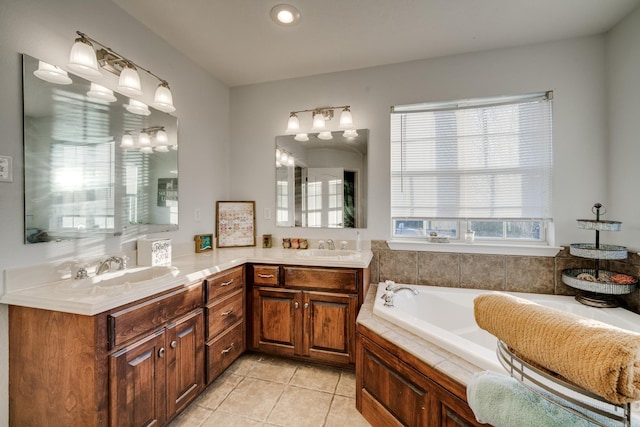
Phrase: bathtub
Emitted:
{"points": [[444, 316]]}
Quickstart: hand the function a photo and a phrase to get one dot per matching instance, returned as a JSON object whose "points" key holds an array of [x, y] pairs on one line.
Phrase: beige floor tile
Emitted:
{"points": [[218, 390], [193, 416], [252, 398], [316, 378], [244, 364], [343, 412], [225, 419], [347, 384], [301, 407], [271, 369]]}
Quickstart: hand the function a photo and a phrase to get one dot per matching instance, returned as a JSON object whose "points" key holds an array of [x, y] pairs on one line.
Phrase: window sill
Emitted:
{"points": [[475, 248]]}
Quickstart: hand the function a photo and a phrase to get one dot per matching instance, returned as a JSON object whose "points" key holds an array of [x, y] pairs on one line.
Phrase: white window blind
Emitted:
{"points": [[487, 158]]}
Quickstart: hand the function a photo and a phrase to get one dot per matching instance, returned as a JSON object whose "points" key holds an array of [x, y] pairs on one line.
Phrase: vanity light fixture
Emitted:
{"points": [[320, 117], [52, 74], [285, 15], [284, 158], [160, 140], [87, 62]]}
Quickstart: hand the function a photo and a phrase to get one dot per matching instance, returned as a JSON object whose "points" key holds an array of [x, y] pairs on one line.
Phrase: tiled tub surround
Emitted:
{"points": [[495, 272]]}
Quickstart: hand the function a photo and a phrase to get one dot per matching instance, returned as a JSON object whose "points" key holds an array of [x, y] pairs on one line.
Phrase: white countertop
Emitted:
{"points": [[22, 287]]}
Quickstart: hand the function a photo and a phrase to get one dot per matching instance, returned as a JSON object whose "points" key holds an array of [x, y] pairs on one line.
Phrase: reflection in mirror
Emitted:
{"points": [[322, 183], [82, 178]]}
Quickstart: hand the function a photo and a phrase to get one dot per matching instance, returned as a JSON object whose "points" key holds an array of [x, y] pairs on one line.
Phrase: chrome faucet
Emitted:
{"points": [[330, 245], [107, 264], [391, 290]]}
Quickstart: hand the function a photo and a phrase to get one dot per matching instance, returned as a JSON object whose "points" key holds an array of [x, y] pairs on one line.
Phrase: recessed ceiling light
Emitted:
{"points": [[285, 15]]}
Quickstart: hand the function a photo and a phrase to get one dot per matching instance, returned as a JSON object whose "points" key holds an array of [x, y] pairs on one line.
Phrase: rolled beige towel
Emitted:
{"points": [[593, 355]]}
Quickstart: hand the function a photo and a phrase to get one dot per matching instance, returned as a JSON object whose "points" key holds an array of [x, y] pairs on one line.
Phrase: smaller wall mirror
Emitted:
{"points": [[80, 180], [322, 183]]}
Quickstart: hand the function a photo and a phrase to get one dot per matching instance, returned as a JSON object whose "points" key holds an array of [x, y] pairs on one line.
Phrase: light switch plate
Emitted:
{"points": [[6, 169]]}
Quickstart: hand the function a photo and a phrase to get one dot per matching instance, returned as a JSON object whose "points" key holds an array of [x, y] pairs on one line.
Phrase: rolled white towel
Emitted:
{"points": [[502, 401]]}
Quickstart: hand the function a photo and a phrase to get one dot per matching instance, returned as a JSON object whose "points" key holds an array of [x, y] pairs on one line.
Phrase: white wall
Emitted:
{"points": [[623, 89], [46, 29], [574, 69]]}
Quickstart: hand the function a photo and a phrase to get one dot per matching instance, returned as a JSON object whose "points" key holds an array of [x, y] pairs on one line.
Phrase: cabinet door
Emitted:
{"points": [[276, 321], [137, 383], [185, 361], [329, 325]]}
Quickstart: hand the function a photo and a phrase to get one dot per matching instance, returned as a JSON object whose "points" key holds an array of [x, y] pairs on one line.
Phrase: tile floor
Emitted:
{"points": [[260, 390]]}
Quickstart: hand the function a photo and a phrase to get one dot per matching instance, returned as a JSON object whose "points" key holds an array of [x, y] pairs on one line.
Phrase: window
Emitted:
{"points": [[483, 165]]}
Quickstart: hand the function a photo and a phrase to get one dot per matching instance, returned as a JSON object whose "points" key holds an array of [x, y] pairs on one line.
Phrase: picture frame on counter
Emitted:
{"points": [[204, 242], [235, 224]]}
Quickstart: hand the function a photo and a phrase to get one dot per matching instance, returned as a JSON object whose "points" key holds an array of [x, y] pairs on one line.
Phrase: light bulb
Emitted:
{"points": [[127, 141], [163, 99], [137, 107], [318, 122], [293, 125], [82, 59], [129, 82], [101, 92], [326, 135], [52, 74], [346, 121]]}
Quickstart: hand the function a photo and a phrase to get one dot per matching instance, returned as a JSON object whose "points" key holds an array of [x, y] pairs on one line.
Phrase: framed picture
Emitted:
{"points": [[204, 242], [235, 224]]}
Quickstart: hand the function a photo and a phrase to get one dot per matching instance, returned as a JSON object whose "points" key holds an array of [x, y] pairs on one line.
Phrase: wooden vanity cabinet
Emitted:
{"points": [[394, 388], [136, 365], [307, 313], [225, 331]]}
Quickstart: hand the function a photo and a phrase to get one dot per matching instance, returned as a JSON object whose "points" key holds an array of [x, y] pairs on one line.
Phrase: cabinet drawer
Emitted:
{"points": [[326, 279], [155, 313], [224, 313], [265, 275], [224, 283], [224, 350]]}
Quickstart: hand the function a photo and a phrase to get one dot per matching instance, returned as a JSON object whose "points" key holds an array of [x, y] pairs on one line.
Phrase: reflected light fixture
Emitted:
{"points": [[101, 92], [127, 140], [137, 107], [285, 15], [320, 117], [87, 62], [52, 74], [160, 140]]}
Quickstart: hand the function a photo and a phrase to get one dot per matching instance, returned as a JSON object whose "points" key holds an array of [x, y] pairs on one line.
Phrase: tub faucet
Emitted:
{"points": [[106, 264], [330, 245], [390, 292]]}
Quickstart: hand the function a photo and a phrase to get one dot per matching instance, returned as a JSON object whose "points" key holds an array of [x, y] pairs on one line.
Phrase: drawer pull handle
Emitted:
{"points": [[174, 344], [226, 313], [226, 283], [227, 350], [266, 276], [161, 352]]}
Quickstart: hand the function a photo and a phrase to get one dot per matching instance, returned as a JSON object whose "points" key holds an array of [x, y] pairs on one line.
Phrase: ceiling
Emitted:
{"points": [[236, 41]]}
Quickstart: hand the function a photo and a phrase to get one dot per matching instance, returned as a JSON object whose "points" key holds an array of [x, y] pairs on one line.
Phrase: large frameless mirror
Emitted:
{"points": [[83, 177], [322, 183]]}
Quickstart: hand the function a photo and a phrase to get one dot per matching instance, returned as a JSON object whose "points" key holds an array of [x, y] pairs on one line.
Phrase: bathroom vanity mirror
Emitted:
{"points": [[322, 183], [79, 179]]}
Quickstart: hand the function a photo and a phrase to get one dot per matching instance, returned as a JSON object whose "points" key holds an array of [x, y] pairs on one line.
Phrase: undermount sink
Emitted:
{"points": [[119, 281], [328, 253]]}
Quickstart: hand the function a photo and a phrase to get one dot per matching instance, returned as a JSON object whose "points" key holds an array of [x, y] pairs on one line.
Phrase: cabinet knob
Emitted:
{"points": [[226, 313], [161, 352], [306, 305], [174, 344], [296, 305]]}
